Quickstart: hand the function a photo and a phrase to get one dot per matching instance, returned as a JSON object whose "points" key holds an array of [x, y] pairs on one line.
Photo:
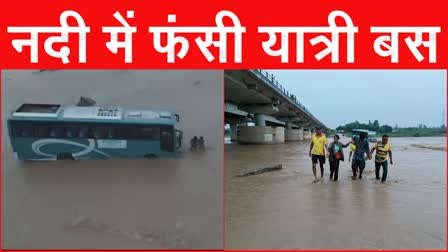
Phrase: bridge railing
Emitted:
{"points": [[270, 79]]}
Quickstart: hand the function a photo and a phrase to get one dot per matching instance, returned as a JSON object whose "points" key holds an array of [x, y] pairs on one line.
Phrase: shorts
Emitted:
{"points": [[361, 163], [315, 158]]}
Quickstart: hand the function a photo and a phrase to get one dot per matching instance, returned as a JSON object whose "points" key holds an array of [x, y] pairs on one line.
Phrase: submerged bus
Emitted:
{"points": [[55, 132]]}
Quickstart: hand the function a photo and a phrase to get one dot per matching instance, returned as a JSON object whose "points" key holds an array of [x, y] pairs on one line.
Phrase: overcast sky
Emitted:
{"points": [[337, 97]]}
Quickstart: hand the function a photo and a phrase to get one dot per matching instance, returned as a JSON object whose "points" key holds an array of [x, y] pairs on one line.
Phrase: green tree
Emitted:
{"points": [[385, 129], [376, 125]]}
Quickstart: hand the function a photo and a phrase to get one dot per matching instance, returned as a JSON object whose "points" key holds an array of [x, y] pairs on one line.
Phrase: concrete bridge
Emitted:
{"points": [[256, 96]]}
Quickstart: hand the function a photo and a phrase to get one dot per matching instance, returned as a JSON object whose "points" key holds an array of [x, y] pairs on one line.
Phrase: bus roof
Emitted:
{"points": [[54, 112]]}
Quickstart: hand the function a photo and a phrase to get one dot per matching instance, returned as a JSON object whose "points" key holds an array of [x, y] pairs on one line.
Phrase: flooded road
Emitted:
{"points": [[285, 210], [117, 204]]}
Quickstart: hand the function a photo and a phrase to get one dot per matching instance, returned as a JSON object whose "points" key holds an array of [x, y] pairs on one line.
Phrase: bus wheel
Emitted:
{"points": [[65, 156], [150, 156]]}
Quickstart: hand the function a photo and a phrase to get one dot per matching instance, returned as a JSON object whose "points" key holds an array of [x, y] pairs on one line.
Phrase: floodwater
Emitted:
{"points": [[285, 210], [117, 204]]}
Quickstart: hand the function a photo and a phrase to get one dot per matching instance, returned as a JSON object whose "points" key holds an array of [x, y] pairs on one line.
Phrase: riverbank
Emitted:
{"points": [[403, 134]]}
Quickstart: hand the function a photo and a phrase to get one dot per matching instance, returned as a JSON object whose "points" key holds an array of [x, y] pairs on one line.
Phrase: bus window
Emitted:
{"points": [[83, 133], [71, 132], [56, 133], [99, 133], [120, 132], [27, 132], [19, 129], [110, 133], [166, 139], [16, 131], [132, 132], [43, 132], [126, 132], [91, 132], [150, 133]]}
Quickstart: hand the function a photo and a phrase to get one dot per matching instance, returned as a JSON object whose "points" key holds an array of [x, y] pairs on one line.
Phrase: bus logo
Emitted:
{"points": [[37, 145]]}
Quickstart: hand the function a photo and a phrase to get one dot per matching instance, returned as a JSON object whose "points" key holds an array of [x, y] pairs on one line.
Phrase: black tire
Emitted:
{"points": [[65, 156]]}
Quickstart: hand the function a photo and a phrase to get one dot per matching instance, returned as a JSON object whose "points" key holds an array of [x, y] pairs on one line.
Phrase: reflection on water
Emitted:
{"points": [[285, 210], [127, 204]]}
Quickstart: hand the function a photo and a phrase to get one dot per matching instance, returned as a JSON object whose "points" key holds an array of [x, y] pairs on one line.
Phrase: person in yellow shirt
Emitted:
{"points": [[382, 149], [318, 146], [352, 149]]}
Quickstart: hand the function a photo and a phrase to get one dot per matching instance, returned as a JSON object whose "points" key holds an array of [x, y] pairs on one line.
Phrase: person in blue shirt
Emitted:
{"points": [[359, 159]]}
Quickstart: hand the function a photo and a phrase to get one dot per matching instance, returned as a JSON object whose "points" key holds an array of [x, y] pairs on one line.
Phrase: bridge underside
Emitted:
{"points": [[277, 116]]}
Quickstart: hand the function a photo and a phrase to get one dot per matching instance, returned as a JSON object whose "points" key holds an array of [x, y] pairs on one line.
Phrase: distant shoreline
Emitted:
{"points": [[401, 134]]}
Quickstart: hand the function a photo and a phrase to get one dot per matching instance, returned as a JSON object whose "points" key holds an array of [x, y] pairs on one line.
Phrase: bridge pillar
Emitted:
{"points": [[301, 134], [260, 120], [293, 134], [261, 135], [233, 132]]}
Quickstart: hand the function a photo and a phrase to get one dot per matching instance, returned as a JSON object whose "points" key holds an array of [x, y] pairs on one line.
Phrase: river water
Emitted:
{"points": [[117, 204], [285, 210]]}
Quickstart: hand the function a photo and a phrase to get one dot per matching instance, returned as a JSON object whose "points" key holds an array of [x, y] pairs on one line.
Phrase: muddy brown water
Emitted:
{"points": [[285, 210], [117, 204]]}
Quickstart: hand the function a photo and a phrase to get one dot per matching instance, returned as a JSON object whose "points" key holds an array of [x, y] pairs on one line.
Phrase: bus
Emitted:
{"points": [[370, 135], [57, 132]]}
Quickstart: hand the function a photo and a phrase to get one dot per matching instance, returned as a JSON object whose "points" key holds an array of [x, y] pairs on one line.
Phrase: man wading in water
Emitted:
{"points": [[361, 147], [317, 151], [382, 149]]}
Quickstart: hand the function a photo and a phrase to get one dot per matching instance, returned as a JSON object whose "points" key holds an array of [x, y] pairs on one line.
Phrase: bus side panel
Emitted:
{"points": [[147, 146], [49, 148], [22, 146], [138, 149]]}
